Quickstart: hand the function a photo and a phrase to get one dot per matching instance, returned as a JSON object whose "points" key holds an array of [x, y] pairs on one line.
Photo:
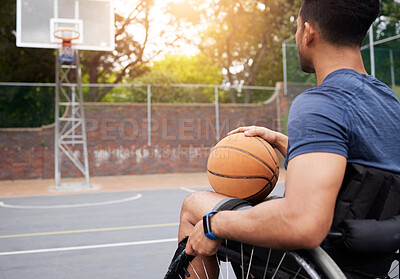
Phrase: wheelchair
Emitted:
{"points": [[363, 242]]}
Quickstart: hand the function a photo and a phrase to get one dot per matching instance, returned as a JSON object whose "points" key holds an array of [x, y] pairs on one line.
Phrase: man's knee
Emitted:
{"points": [[199, 203], [195, 200]]}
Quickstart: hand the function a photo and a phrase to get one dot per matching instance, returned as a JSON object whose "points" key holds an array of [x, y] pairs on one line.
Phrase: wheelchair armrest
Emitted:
{"points": [[369, 236]]}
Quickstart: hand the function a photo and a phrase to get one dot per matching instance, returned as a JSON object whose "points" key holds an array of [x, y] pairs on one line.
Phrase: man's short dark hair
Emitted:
{"points": [[341, 22]]}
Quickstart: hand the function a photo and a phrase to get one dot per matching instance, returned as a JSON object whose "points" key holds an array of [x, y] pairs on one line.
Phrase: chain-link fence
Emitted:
{"points": [[386, 57], [135, 129], [32, 104], [387, 62], [386, 54]]}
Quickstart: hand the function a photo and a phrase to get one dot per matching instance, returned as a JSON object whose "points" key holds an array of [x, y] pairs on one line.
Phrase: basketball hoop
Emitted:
{"points": [[66, 49]]}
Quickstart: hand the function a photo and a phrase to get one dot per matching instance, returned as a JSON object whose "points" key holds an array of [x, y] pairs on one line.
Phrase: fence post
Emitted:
{"points": [[216, 113], [392, 68], [278, 114], [371, 50], [148, 114], [284, 68]]}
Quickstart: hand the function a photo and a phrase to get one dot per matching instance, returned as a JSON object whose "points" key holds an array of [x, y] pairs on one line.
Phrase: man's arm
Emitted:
{"points": [[301, 219]]}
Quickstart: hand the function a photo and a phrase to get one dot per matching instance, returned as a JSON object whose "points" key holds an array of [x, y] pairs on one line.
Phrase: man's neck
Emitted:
{"points": [[329, 59]]}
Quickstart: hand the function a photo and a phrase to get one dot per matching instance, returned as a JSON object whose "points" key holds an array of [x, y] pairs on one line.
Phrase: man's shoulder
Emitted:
{"points": [[318, 98], [344, 87], [353, 84]]}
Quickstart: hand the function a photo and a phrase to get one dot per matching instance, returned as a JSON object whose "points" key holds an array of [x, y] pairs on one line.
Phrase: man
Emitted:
{"points": [[349, 117]]}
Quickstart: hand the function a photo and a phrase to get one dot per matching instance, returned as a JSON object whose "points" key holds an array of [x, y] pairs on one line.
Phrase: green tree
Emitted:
{"points": [[21, 64], [388, 22], [132, 53], [197, 69], [387, 25], [23, 106], [127, 59], [161, 90], [245, 37], [173, 69]]}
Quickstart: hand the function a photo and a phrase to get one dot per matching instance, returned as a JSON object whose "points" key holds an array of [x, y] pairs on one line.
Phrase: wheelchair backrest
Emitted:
{"points": [[367, 193], [365, 233]]}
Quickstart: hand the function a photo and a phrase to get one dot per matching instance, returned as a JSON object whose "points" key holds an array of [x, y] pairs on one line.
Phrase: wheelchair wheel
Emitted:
{"points": [[395, 268], [238, 260], [256, 262]]}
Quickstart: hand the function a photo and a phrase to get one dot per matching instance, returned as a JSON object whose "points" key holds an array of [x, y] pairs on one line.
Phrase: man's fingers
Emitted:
{"points": [[252, 131], [256, 131], [235, 131], [240, 130], [189, 250]]}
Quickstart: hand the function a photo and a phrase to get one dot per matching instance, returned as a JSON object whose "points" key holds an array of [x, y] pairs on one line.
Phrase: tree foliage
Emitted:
{"points": [[198, 69], [387, 55], [128, 57], [23, 106], [172, 70], [386, 25], [244, 38], [21, 64], [161, 90], [388, 22], [30, 106], [137, 44]]}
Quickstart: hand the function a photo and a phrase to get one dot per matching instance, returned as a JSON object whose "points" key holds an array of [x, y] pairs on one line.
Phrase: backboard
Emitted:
{"points": [[37, 20]]}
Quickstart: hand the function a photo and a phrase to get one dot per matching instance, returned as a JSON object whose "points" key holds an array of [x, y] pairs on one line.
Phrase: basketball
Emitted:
{"points": [[243, 167]]}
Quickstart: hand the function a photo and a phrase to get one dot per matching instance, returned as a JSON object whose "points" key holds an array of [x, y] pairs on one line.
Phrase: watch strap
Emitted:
{"points": [[207, 225]]}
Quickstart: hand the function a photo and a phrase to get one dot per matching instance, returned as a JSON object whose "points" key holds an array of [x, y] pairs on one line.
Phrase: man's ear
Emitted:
{"points": [[309, 33]]}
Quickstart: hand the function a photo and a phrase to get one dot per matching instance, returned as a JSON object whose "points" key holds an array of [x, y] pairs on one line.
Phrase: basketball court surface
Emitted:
{"points": [[125, 228]]}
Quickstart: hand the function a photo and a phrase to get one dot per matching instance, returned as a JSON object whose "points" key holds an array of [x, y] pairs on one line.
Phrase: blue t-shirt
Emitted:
{"points": [[350, 114]]}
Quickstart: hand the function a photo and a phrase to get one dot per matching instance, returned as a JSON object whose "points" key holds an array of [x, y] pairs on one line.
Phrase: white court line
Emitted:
{"points": [[88, 247], [2, 204], [188, 190]]}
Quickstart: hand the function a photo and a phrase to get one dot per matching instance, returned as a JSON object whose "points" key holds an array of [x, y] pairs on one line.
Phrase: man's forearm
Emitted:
{"points": [[271, 224], [281, 143]]}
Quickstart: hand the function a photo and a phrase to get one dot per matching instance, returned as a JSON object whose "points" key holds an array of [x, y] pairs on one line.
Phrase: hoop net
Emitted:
{"points": [[66, 50]]}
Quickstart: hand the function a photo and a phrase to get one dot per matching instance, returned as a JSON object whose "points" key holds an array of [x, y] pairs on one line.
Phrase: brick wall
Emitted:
{"points": [[181, 138]]}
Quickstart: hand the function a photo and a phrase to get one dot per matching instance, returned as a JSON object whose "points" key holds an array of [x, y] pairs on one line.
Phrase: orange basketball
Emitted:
{"points": [[243, 167]]}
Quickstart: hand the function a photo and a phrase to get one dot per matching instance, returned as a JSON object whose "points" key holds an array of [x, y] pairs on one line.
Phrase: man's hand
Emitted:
{"points": [[276, 139], [199, 244]]}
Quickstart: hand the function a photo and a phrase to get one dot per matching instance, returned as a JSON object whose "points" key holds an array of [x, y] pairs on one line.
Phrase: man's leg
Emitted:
{"points": [[193, 209]]}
